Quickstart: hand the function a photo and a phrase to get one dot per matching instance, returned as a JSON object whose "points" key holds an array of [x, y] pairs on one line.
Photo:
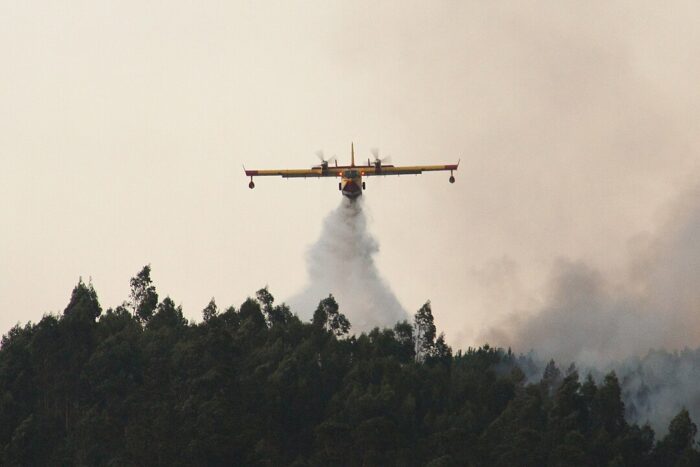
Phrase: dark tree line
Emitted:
{"points": [[256, 386]]}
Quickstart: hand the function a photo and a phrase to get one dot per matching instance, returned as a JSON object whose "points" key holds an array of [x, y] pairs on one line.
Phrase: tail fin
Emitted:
{"points": [[352, 154]]}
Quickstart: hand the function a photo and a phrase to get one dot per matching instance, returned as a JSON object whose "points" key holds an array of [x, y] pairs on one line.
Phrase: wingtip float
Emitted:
{"points": [[351, 184]]}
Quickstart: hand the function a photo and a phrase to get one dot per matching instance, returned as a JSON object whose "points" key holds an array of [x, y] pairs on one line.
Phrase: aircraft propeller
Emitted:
{"points": [[378, 161], [324, 161]]}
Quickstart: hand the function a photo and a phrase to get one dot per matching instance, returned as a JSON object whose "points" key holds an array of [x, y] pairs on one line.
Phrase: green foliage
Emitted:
{"points": [[251, 317], [143, 298], [328, 317], [274, 315], [140, 385], [83, 303], [210, 311], [167, 315], [608, 408], [677, 448]]}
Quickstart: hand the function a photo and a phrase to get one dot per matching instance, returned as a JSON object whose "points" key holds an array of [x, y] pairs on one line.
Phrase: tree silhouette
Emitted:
{"points": [[329, 318], [255, 385], [143, 297]]}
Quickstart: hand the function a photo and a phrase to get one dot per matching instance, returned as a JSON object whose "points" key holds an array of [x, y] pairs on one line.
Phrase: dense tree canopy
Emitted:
{"points": [[140, 385]]}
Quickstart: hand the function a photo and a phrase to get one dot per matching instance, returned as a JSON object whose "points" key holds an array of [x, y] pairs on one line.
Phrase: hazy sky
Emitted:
{"points": [[124, 127]]}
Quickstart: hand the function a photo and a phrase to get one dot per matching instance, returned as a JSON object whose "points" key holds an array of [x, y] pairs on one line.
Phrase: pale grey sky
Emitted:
{"points": [[124, 126]]}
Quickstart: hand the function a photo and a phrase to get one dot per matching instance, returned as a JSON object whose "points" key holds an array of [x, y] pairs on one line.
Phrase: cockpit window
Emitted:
{"points": [[351, 174]]}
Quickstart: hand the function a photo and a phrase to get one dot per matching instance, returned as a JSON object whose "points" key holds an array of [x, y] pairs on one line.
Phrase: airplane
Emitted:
{"points": [[351, 184]]}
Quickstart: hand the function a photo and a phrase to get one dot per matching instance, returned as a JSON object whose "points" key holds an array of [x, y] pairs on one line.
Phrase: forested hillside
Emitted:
{"points": [[255, 386]]}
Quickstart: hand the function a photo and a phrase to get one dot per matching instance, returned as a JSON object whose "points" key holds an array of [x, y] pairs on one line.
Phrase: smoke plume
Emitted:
{"points": [[341, 263], [621, 321], [590, 317]]}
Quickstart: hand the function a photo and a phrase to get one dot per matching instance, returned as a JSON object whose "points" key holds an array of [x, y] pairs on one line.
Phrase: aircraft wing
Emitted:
{"points": [[406, 170], [290, 173]]}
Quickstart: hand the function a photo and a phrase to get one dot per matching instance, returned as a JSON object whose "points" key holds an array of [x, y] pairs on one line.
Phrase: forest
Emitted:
{"points": [[256, 386]]}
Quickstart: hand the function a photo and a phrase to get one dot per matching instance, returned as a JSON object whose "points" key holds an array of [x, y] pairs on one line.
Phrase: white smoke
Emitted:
{"points": [[656, 387], [341, 262]]}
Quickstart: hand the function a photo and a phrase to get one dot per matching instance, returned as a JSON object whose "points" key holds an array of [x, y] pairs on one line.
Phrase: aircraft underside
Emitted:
{"points": [[351, 189]]}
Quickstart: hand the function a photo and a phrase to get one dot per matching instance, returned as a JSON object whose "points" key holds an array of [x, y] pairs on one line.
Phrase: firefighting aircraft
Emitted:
{"points": [[351, 175]]}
